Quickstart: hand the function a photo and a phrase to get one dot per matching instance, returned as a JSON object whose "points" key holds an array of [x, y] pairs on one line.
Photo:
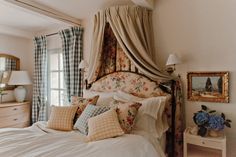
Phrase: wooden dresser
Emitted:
{"points": [[14, 115]]}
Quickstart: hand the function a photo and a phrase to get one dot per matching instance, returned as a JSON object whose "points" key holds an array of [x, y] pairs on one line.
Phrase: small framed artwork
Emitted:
{"points": [[208, 86]]}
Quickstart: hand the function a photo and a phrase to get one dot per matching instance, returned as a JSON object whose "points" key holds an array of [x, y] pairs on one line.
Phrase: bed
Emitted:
{"points": [[116, 75], [38, 140], [35, 142]]}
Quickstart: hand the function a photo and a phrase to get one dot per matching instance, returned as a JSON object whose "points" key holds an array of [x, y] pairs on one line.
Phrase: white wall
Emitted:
{"points": [[23, 49], [203, 33]]}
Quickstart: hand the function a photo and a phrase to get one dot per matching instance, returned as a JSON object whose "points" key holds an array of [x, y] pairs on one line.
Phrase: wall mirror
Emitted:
{"points": [[8, 63]]}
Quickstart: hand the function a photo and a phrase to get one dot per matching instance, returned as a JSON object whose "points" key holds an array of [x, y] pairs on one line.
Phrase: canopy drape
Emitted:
{"points": [[132, 26], [133, 30]]}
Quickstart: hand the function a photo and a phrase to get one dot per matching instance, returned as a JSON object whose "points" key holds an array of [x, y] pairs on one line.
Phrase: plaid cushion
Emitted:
{"points": [[90, 111], [105, 125], [61, 117]]}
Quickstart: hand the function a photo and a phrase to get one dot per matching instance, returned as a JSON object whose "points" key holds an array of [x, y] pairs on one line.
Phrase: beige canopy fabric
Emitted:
{"points": [[97, 42], [132, 26]]}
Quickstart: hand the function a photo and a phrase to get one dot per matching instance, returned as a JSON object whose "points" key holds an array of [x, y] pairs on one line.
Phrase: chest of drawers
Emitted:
{"points": [[14, 114]]}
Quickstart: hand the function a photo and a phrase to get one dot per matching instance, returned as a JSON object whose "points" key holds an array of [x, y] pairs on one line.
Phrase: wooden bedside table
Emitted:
{"points": [[14, 114], [218, 143]]}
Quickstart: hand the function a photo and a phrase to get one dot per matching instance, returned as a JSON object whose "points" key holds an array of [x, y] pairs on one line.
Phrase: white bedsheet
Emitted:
{"points": [[34, 142]]}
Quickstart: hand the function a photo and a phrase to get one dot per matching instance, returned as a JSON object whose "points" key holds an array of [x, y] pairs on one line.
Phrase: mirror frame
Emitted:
{"points": [[17, 67]]}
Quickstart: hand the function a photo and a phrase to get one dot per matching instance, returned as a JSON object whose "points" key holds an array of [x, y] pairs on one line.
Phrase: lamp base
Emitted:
{"points": [[20, 93], [170, 70]]}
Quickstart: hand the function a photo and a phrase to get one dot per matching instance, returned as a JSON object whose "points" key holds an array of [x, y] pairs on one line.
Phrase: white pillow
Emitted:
{"points": [[127, 97], [151, 113], [150, 117], [104, 99], [149, 104]]}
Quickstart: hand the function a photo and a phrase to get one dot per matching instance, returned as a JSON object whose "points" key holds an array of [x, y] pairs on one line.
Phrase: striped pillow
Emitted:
{"points": [[61, 117], [90, 111], [105, 125]]}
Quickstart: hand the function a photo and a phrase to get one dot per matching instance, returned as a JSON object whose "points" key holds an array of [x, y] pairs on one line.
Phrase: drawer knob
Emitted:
{"points": [[203, 142], [15, 119], [15, 109]]}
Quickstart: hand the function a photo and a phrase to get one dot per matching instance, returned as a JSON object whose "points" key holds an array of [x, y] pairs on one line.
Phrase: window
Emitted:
{"points": [[56, 88]]}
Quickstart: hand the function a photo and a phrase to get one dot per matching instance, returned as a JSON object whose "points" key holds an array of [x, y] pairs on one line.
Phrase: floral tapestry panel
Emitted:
{"points": [[108, 52], [113, 57], [122, 61]]}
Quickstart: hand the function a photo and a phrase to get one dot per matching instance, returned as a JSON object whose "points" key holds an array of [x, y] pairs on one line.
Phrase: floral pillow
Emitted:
{"points": [[82, 103], [126, 114]]}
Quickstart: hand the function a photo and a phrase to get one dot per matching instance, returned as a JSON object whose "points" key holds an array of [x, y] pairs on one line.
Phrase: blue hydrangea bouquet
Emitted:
{"points": [[210, 120]]}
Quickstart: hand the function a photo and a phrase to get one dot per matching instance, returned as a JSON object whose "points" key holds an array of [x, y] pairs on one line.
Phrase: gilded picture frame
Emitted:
{"points": [[208, 86]]}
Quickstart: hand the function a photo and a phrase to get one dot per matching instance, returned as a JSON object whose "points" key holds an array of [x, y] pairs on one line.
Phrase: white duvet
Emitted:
{"points": [[35, 142]]}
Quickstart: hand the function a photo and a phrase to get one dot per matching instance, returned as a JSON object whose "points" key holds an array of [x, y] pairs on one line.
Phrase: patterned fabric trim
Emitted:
{"points": [[40, 78], [72, 52]]}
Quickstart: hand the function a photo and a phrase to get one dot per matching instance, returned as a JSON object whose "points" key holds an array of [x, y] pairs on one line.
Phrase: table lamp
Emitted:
{"points": [[171, 62], [19, 78]]}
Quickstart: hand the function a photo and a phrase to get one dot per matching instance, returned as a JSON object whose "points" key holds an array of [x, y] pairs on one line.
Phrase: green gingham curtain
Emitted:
{"points": [[72, 52], [40, 77], [10, 64]]}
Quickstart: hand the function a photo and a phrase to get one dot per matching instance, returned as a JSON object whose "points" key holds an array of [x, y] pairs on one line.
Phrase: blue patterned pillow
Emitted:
{"points": [[90, 111]]}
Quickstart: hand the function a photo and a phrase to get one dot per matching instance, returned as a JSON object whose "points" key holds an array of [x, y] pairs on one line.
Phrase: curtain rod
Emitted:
{"points": [[48, 35]]}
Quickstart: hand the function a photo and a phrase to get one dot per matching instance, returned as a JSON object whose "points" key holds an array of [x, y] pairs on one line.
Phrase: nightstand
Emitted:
{"points": [[14, 114], [218, 143]]}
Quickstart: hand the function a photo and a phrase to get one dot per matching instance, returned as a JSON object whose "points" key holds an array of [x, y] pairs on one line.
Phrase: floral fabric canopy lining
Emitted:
{"points": [[113, 57]]}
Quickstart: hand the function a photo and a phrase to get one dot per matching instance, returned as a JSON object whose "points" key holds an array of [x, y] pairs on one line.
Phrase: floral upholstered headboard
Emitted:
{"points": [[141, 86], [128, 82]]}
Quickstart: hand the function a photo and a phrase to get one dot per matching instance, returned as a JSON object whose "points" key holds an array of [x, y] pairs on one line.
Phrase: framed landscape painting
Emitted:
{"points": [[208, 86]]}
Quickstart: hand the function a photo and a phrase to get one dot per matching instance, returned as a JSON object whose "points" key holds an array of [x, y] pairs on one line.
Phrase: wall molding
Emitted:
{"points": [[15, 32], [45, 10]]}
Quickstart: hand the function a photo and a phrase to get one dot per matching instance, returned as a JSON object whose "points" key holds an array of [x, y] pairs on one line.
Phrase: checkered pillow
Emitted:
{"points": [[61, 117], [90, 111], [82, 103], [105, 125]]}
